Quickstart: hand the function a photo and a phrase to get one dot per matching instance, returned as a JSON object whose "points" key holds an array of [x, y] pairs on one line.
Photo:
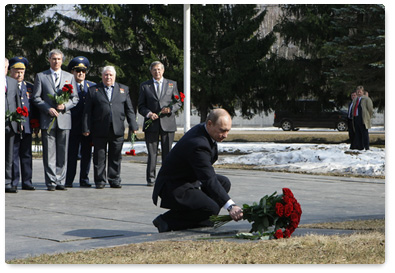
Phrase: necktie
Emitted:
{"points": [[56, 79], [108, 92], [158, 87], [356, 108], [81, 88]]}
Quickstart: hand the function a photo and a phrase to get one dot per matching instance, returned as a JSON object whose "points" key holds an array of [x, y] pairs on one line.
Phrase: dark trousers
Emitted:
{"points": [[83, 144], [22, 162], [111, 153], [351, 133], [152, 143], [361, 140], [195, 207], [9, 155]]}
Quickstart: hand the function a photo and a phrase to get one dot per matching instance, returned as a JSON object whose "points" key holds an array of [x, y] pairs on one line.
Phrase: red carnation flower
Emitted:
{"points": [[279, 209], [279, 234], [288, 208], [25, 111], [34, 123], [182, 96], [287, 233], [288, 193]]}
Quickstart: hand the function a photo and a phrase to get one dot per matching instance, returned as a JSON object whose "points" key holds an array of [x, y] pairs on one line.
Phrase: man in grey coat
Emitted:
{"points": [[157, 102], [55, 141]]}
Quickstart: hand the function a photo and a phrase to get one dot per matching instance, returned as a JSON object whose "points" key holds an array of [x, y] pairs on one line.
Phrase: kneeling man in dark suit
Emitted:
{"points": [[187, 182]]}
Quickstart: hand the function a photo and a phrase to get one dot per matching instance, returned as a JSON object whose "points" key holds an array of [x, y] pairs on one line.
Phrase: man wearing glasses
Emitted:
{"points": [[80, 146]]}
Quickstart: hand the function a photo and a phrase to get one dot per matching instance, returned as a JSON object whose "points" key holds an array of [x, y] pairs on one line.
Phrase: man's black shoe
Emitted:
{"points": [[28, 188], [60, 188], [100, 185], [11, 190], [160, 224], [85, 185], [115, 185]]}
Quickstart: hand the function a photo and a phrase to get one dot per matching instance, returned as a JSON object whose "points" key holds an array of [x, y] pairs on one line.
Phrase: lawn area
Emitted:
{"points": [[365, 246]]}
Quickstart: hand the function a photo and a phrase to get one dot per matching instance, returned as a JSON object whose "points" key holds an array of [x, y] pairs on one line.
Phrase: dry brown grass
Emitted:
{"points": [[358, 248]]}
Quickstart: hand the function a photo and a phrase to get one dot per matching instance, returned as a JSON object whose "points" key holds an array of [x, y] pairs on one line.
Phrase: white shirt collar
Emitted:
{"points": [[160, 81], [53, 71]]}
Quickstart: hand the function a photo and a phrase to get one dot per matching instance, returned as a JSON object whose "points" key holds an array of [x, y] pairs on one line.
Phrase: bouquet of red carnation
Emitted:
{"points": [[175, 100], [67, 90], [275, 211], [132, 151], [18, 116]]}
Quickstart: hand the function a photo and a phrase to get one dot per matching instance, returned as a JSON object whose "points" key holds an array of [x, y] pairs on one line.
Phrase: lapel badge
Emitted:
{"points": [[122, 90], [170, 85]]}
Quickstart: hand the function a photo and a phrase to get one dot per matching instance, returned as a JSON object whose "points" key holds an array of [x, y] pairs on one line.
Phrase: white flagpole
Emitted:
{"points": [[187, 66]]}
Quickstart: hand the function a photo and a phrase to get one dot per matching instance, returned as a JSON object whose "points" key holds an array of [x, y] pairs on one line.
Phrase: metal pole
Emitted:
{"points": [[187, 66]]}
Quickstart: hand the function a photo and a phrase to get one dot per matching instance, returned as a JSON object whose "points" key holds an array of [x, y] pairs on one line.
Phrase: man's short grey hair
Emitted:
{"points": [[55, 51], [155, 64], [109, 68], [215, 114], [6, 61]]}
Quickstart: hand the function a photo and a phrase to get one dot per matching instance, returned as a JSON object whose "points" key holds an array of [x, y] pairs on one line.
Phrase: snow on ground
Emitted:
{"points": [[308, 158]]}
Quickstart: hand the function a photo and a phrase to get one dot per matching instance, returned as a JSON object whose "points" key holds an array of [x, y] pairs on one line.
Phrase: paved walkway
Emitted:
{"points": [[85, 218]]}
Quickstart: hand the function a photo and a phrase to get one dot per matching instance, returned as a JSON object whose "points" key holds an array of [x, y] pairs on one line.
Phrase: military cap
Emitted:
{"points": [[18, 62], [80, 62]]}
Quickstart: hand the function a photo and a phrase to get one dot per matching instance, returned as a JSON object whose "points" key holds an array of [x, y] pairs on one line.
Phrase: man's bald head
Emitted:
{"points": [[218, 124]]}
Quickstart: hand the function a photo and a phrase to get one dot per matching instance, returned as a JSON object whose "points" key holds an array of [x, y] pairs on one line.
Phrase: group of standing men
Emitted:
{"points": [[94, 115], [360, 112]]}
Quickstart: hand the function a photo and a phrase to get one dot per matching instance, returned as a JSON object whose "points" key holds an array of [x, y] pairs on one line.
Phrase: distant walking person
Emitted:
{"points": [[56, 140], [107, 105], [78, 143], [155, 96], [362, 114]]}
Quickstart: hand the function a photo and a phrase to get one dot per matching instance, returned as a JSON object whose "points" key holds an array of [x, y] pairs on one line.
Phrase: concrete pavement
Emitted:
{"points": [[41, 222]]}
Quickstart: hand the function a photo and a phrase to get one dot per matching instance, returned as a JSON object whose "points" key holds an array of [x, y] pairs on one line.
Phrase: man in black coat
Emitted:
{"points": [[107, 106], [12, 101], [23, 163], [187, 182], [79, 145]]}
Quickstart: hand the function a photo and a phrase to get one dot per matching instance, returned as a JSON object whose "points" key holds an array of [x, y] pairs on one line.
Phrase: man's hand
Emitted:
{"points": [[236, 213], [52, 112], [86, 133], [60, 107], [165, 110], [153, 116]]}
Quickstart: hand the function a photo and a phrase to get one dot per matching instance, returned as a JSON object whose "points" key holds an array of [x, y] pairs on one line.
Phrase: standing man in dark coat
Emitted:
{"points": [[107, 105], [187, 182], [351, 132], [55, 141], [23, 160], [78, 143], [156, 102], [12, 101], [362, 114]]}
